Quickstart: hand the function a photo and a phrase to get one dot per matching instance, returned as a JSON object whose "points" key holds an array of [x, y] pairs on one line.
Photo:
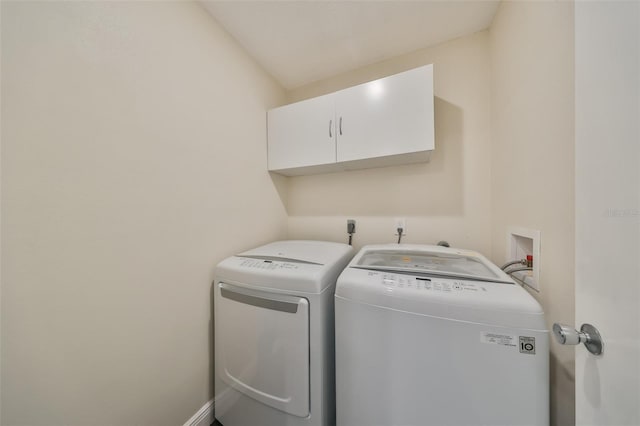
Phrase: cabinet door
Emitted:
{"points": [[385, 117], [302, 134]]}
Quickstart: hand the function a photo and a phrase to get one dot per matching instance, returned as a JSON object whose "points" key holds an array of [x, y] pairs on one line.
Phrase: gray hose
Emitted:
{"points": [[524, 268], [514, 262]]}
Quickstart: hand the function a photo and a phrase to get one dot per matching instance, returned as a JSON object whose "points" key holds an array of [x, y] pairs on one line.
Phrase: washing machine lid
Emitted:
{"points": [[429, 260], [442, 282]]}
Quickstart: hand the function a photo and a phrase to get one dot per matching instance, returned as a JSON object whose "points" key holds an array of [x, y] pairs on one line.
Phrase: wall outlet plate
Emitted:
{"points": [[520, 243]]}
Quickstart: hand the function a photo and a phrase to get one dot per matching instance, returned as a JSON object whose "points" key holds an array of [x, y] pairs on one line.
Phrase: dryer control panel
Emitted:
{"points": [[267, 264]]}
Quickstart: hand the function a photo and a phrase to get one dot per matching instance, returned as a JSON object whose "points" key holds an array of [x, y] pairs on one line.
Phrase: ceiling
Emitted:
{"points": [[302, 41]]}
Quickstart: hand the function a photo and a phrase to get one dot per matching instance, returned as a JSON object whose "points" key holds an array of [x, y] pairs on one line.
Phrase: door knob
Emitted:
{"points": [[588, 334]]}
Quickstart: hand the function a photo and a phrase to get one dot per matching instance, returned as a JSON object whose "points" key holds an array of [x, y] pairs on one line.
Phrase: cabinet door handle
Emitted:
{"points": [[340, 126], [330, 125]]}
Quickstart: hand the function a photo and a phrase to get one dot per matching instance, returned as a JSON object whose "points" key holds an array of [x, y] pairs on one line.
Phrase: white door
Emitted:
{"points": [[389, 116], [607, 67], [302, 134]]}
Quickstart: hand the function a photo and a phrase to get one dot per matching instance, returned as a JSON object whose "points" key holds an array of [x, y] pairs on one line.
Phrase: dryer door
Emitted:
{"points": [[262, 346]]}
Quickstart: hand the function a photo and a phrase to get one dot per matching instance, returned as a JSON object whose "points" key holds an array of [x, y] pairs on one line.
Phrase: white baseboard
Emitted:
{"points": [[204, 416]]}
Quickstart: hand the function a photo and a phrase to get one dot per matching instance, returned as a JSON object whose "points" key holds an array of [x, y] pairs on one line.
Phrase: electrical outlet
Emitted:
{"points": [[400, 222], [351, 226]]}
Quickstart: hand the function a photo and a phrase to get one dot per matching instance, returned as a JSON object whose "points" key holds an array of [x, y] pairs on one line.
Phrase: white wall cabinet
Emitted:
{"points": [[384, 122]]}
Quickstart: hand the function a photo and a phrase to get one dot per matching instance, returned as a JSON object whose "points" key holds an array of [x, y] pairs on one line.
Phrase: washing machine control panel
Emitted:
{"points": [[402, 281]]}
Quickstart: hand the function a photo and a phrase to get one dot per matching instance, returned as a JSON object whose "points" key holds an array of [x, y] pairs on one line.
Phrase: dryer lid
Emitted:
{"points": [[300, 251], [431, 261]]}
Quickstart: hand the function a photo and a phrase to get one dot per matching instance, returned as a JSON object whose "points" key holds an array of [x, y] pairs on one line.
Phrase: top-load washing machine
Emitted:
{"points": [[274, 342], [428, 335]]}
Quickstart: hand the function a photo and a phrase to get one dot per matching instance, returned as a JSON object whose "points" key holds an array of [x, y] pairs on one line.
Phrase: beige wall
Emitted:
{"points": [[133, 159], [532, 129], [123, 125], [445, 199]]}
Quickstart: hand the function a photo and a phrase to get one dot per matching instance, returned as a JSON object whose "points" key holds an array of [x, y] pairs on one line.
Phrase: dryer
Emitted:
{"points": [[428, 335], [274, 341]]}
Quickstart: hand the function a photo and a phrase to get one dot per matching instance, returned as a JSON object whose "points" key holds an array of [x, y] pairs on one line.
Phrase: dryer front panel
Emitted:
{"points": [[262, 346]]}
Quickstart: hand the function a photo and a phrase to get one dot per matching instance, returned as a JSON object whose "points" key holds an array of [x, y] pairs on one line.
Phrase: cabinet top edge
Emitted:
{"points": [[428, 68]]}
